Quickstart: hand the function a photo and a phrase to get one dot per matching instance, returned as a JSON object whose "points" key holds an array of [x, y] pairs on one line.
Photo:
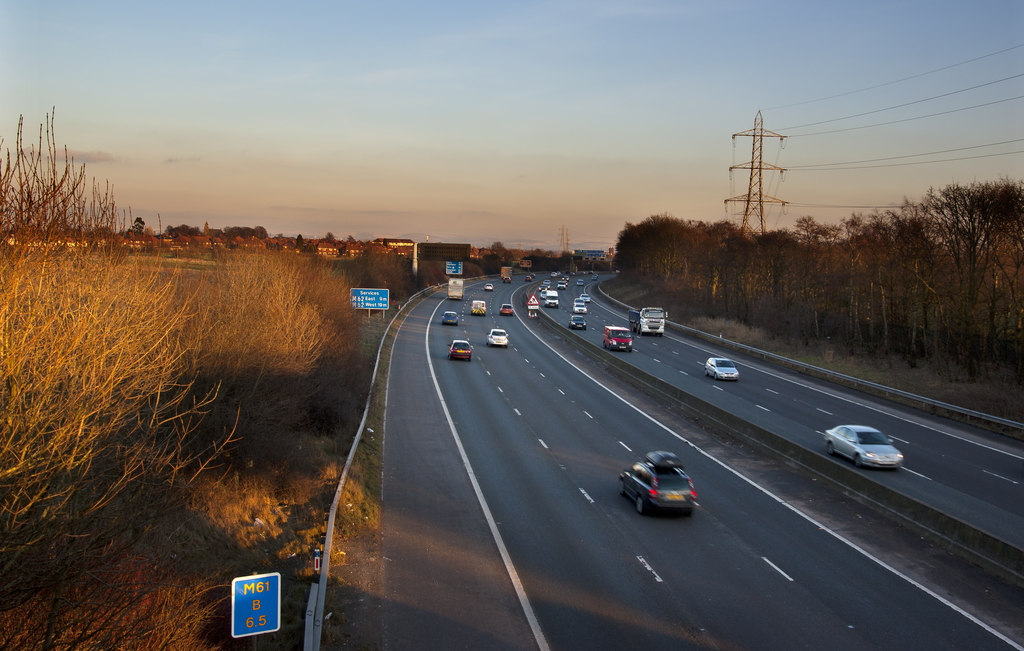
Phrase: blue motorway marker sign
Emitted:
{"points": [[371, 299], [453, 268], [255, 604]]}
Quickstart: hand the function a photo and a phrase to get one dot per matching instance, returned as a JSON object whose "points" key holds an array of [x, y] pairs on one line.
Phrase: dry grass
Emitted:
{"points": [[105, 433]]}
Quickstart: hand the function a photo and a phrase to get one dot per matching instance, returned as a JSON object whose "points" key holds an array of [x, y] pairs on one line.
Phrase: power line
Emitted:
{"points": [[895, 81], [921, 162], [905, 104], [826, 205], [910, 119], [930, 153]]}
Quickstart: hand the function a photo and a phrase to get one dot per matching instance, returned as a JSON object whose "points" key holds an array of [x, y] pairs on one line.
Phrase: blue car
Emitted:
{"points": [[450, 318]]}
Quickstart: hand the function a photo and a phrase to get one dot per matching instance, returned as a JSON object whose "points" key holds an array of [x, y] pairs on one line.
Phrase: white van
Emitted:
{"points": [[551, 298]]}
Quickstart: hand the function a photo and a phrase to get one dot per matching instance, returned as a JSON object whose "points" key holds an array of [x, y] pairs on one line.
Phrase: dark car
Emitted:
{"points": [[577, 322], [460, 349], [450, 318], [659, 482]]}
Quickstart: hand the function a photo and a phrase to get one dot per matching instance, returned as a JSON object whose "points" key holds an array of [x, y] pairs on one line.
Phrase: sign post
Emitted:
{"points": [[532, 305], [255, 604]]}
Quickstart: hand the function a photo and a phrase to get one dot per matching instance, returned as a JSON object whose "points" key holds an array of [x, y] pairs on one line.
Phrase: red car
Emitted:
{"points": [[506, 310], [460, 349]]}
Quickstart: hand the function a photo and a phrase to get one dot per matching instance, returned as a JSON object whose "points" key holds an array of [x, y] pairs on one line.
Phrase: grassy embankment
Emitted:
{"points": [[165, 429]]}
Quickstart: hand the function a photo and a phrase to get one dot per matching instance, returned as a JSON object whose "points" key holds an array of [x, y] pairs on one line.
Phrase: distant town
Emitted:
{"points": [[191, 239]]}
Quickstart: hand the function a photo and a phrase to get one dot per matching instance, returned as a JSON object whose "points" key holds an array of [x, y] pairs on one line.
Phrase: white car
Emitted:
{"points": [[585, 298], [865, 446], [497, 337], [721, 369], [579, 282], [579, 307], [488, 287]]}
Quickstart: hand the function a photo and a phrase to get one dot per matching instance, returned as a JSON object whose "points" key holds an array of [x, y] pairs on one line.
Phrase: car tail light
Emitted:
{"points": [[693, 491]]}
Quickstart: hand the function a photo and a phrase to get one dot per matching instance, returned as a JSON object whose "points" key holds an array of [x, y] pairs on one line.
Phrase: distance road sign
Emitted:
{"points": [[255, 604], [370, 299]]}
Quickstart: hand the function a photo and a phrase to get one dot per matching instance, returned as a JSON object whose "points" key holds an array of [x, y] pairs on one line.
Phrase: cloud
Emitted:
{"points": [[172, 160], [93, 157]]}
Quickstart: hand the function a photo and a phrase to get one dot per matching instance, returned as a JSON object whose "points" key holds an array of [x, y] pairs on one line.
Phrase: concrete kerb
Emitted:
{"points": [[977, 546]]}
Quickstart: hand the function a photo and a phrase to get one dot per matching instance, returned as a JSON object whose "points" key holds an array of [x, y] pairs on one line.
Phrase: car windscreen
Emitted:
{"points": [[724, 363]]}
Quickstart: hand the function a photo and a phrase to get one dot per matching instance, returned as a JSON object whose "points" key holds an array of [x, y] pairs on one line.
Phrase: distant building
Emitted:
{"points": [[396, 245]]}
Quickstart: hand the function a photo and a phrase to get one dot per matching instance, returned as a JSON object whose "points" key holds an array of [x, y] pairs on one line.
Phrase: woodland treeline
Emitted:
{"points": [[939, 279]]}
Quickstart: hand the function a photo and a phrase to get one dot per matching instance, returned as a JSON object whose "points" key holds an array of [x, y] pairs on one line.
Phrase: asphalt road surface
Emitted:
{"points": [[503, 528]]}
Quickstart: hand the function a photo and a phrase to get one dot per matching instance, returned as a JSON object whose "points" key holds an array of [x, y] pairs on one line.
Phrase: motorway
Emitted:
{"points": [[966, 471], [502, 526]]}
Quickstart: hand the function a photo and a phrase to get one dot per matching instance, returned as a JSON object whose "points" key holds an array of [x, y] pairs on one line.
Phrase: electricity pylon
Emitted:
{"points": [[755, 198], [563, 239]]}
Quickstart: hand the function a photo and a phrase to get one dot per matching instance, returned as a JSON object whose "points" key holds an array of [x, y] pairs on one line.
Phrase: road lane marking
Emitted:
{"points": [[517, 411], [542, 642], [825, 412], [545, 445], [650, 569], [588, 414], [589, 498], [776, 568], [625, 446], [492, 525], [1012, 481], [760, 407]]}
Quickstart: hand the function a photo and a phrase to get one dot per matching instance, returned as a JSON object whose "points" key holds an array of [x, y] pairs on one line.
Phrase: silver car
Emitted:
{"points": [[721, 369], [865, 446], [497, 337]]}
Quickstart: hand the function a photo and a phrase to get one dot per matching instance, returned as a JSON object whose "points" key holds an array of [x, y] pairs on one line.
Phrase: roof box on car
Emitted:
{"points": [[662, 459]]}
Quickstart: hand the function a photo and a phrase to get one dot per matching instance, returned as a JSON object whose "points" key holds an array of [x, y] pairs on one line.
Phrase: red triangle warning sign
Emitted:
{"points": [[533, 302]]}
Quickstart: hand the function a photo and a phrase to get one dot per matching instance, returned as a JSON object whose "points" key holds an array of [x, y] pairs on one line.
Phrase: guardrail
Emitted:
{"points": [[968, 541], [318, 591], [1004, 426]]}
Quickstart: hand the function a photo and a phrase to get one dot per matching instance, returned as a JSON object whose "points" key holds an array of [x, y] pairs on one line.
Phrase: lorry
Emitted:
{"points": [[455, 289], [648, 321], [506, 274]]}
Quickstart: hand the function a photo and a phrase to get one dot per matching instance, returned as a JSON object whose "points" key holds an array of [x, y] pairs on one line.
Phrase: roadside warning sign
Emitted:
{"points": [[533, 302]]}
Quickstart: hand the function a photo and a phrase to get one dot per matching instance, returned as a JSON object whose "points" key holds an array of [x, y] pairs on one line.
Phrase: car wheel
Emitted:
{"points": [[640, 505], [622, 486], [830, 449], [857, 461]]}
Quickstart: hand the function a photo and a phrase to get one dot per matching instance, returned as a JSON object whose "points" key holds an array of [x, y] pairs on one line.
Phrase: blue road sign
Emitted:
{"points": [[255, 604], [371, 299], [453, 268]]}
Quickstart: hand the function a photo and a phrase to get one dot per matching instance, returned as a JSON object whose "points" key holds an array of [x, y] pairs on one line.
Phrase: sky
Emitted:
{"points": [[515, 121]]}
